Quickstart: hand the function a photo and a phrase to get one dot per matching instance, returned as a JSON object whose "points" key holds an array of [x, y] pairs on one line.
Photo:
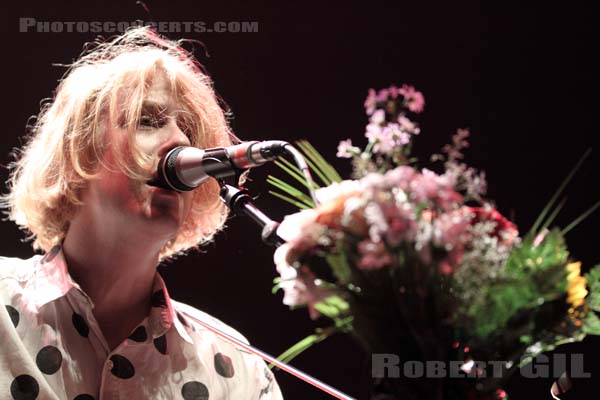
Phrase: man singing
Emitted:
{"points": [[92, 318]]}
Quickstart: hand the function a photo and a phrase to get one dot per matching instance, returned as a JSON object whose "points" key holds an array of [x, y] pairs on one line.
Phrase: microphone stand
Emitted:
{"points": [[240, 202]]}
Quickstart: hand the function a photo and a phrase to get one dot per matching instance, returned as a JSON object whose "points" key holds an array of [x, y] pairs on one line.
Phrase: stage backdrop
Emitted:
{"points": [[518, 76]]}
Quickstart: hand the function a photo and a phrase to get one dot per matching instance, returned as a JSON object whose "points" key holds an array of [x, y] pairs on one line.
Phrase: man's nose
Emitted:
{"points": [[175, 137]]}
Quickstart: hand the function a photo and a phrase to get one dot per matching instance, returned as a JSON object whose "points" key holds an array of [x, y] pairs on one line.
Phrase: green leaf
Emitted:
{"points": [[548, 343], [316, 157], [534, 229], [333, 307], [293, 172], [591, 324], [290, 200], [553, 215], [277, 285], [298, 348], [290, 190], [317, 163], [339, 265], [306, 343], [582, 217], [593, 284]]}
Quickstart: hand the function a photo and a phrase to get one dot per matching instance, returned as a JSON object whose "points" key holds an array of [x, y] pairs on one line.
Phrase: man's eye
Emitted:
{"points": [[149, 121]]}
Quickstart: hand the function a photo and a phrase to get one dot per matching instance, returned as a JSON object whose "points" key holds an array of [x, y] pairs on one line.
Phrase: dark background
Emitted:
{"points": [[519, 76]]}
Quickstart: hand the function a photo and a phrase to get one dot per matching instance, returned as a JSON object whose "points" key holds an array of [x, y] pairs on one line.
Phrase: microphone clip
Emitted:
{"points": [[240, 202]]}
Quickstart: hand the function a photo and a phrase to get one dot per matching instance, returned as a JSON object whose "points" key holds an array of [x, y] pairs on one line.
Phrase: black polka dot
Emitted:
{"points": [[24, 387], [51, 254], [194, 391], [158, 299], [182, 320], [48, 360], [84, 397], [139, 335], [122, 367], [13, 314], [161, 344], [80, 324], [223, 365]]}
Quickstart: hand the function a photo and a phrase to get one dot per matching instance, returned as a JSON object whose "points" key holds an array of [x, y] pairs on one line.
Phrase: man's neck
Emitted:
{"points": [[116, 271]]}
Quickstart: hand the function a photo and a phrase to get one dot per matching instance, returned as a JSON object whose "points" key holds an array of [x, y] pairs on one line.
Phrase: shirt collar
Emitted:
{"points": [[162, 315], [52, 280]]}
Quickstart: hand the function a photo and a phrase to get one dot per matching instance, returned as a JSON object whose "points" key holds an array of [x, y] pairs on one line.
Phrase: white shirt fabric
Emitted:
{"points": [[52, 346]]}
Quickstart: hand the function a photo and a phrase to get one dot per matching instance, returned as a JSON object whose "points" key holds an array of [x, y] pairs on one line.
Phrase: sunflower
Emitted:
{"points": [[576, 289]]}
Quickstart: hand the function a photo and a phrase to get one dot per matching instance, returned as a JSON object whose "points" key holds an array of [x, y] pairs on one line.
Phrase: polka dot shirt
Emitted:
{"points": [[52, 347]]}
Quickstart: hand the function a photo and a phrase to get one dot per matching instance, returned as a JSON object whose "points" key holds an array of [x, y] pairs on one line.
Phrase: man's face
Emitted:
{"points": [[128, 204]]}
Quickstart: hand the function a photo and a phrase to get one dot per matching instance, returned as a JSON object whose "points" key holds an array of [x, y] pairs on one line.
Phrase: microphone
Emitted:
{"points": [[185, 168]]}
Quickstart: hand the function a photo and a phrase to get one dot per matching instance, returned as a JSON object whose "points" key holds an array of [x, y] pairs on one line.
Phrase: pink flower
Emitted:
{"points": [[378, 117], [403, 138], [394, 91], [387, 138], [413, 100], [451, 262], [382, 95], [392, 132], [450, 230], [401, 228], [373, 132], [346, 150], [435, 190], [401, 177], [408, 126], [382, 137], [459, 143], [370, 102], [389, 218], [373, 255], [539, 238]]}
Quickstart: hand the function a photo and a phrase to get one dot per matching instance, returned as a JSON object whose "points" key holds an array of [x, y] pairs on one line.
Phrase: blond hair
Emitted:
{"points": [[107, 85]]}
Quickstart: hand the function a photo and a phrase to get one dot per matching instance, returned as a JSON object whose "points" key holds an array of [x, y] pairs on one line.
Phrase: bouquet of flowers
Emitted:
{"points": [[420, 265]]}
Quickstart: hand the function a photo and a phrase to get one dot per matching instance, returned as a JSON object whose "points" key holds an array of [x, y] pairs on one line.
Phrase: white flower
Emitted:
{"points": [[300, 226], [298, 284], [346, 150], [378, 117], [337, 189]]}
